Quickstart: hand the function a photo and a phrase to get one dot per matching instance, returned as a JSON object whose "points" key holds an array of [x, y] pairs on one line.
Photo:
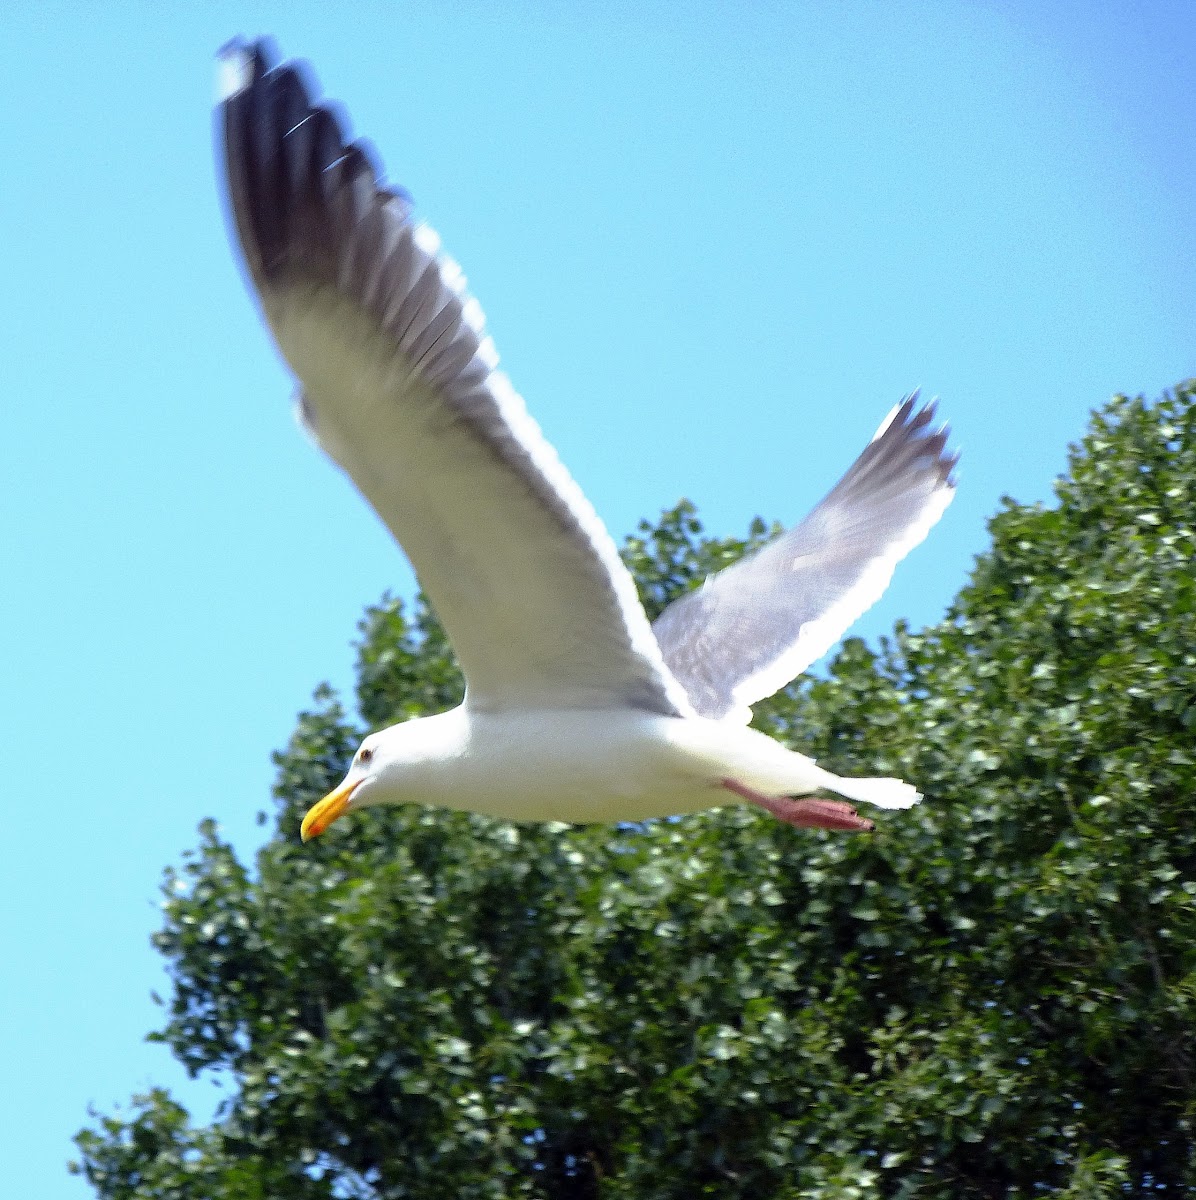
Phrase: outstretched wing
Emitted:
{"points": [[749, 630], [400, 387]]}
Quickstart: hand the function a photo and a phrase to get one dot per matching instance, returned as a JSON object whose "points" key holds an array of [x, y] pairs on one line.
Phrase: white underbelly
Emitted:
{"points": [[608, 765]]}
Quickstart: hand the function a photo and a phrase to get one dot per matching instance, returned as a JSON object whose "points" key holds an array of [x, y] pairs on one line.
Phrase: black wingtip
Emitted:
{"points": [[296, 183], [909, 434], [272, 167]]}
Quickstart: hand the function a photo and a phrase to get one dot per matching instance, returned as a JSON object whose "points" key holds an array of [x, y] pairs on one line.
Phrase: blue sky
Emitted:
{"points": [[715, 243]]}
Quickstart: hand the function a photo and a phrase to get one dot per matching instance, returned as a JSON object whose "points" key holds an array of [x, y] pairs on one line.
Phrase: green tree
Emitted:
{"points": [[992, 996]]}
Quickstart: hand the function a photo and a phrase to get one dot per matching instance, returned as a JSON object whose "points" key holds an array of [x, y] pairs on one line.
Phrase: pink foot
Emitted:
{"points": [[805, 814]]}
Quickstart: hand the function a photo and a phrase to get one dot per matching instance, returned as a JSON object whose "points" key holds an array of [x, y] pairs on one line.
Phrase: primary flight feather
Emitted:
{"points": [[576, 708]]}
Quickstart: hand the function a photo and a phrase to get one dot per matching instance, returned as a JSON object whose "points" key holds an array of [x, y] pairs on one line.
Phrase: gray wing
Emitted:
{"points": [[399, 386], [750, 629]]}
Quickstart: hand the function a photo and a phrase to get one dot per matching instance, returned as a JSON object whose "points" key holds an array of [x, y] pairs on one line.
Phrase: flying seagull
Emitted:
{"points": [[576, 708]]}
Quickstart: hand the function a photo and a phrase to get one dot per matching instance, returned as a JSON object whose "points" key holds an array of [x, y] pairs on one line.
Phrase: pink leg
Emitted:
{"points": [[805, 814]]}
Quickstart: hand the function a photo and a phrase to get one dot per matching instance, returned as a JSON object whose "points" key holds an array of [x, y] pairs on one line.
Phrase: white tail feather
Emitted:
{"points": [[884, 793]]}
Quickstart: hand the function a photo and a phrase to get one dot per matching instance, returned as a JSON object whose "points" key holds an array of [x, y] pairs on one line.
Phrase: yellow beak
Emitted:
{"points": [[321, 815]]}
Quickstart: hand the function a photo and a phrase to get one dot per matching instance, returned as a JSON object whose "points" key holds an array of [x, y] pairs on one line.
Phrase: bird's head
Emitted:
{"points": [[346, 796], [394, 765], [364, 784]]}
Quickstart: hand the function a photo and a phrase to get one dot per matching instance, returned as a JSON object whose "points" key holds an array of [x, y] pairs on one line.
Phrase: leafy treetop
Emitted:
{"points": [[993, 996]]}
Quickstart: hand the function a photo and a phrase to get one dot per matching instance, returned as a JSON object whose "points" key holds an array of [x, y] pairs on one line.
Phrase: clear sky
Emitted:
{"points": [[716, 242]]}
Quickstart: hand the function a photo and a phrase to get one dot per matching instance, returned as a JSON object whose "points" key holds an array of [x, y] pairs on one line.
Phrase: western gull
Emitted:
{"points": [[576, 708]]}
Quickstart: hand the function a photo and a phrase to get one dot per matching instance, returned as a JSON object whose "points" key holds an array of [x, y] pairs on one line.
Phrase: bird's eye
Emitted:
{"points": [[364, 755]]}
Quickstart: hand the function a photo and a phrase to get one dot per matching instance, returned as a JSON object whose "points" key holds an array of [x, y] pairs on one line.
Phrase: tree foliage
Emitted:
{"points": [[992, 996]]}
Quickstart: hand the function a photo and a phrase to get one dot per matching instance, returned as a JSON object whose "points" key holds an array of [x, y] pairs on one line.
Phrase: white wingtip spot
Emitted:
{"points": [[233, 71], [488, 353], [452, 276], [427, 239], [472, 315], [886, 422]]}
